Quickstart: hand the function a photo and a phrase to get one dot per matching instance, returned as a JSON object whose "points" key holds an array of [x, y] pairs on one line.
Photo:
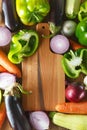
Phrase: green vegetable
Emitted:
{"points": [[72, 8], [32, 11], [74, 63], [81, 32], [24, 43], [82, 14], [69, 121]]}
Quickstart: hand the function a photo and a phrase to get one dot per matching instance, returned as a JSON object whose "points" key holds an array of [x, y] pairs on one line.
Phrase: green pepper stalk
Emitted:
{"points": [[31, 12], [74, 63], [82, 14], [53, 30], [72, 8], [24, 43]]}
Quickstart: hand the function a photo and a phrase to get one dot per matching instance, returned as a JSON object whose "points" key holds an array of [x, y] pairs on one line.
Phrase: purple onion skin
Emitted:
{"points": [[75, 92]]}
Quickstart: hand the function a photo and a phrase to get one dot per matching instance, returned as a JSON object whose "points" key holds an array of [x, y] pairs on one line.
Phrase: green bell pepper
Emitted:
{"points": [[81, 32], [74, 63], [24, 43], [82, 14], [31, 12]]}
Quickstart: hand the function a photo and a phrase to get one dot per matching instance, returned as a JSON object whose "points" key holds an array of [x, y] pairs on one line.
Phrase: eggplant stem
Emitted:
{"points": [[14, 89], [22, 90]]}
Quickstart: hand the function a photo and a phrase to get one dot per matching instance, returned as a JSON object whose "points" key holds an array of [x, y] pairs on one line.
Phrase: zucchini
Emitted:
{"points": [[72, 8], [69, 121]]}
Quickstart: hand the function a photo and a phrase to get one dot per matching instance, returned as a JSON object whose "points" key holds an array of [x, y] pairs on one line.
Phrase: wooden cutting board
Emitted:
{"points": [[42, 73]]}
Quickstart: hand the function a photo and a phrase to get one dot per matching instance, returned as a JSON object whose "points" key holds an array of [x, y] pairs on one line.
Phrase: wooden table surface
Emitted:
{"points": [[6, 126]]}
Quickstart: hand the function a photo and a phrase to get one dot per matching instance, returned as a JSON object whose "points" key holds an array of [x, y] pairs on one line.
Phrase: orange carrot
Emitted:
{"points": [[8, 65], [73, 108], [2, 69], [75, 45], [2, 113]]}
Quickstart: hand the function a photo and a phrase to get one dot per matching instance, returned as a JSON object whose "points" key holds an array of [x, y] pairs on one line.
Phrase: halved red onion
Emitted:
{"points": [[6, 80], [59, 44], [5, 36]]}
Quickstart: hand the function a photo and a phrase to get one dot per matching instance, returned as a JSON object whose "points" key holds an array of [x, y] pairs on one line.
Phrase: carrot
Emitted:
{"points": [[75, 45], [8, 65], [2, 69], [73, 108], [2, 113]]}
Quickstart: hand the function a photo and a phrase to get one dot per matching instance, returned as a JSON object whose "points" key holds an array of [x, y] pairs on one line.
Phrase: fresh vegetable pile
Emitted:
{"points": [[71, 114], [68, 37]]}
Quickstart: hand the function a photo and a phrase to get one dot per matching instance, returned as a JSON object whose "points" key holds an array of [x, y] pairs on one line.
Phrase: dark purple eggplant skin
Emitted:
{"points": [[15, 114], [57, 11], [11, 18]]}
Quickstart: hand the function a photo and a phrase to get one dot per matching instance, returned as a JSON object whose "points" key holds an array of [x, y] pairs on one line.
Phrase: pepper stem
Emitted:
{"points": [[53, 30]]}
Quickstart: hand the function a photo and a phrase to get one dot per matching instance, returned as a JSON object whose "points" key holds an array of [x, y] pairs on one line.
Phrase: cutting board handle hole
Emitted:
{"points": [[43, 27]]}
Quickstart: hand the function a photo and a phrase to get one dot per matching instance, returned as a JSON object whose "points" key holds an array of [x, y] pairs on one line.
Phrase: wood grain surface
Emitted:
{"points": [[42, 73]]}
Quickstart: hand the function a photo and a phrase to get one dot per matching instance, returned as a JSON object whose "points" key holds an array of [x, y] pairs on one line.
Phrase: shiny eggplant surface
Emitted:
{"points": [[10, 15], [15, 114]]}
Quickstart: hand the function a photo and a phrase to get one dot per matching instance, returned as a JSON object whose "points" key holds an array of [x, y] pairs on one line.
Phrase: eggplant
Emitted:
{"points": [[57, 11], [11, 18], [15, 114]]}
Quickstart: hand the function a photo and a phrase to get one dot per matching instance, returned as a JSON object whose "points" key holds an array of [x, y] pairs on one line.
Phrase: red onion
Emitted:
{"points": [[5, 36], [6, 80], [59, 44], [39, 120], [75, 92]]}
